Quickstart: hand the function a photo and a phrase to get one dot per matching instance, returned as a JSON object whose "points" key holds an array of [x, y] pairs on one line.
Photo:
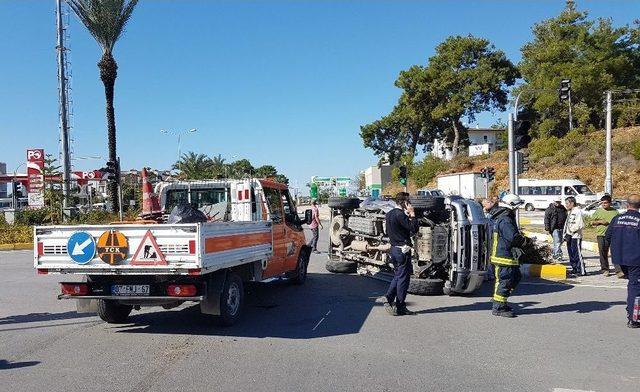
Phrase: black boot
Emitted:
{"points": [[503, 311]]}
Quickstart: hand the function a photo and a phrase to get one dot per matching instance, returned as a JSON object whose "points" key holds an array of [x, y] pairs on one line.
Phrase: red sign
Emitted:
{"points": [[83, 178], [35, 176]]}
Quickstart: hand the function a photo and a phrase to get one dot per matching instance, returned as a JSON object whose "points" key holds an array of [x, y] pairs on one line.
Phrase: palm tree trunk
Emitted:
{"points": [[108, 73]]}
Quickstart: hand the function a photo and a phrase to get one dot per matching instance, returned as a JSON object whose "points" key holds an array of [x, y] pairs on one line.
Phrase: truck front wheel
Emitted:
{"points": [[231, 300], [113, 312]]}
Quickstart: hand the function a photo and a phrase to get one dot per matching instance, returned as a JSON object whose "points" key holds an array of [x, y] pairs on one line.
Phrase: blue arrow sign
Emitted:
{"points": [[81, 247]]}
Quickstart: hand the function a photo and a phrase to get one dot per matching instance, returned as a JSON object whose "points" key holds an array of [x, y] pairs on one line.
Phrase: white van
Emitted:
{"points": [[538, 194]]}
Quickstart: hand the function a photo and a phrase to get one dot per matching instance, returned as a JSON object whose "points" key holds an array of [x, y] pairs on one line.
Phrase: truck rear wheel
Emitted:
{"points": [[231, 300], [426, 286], [423, 202], [113, 312], [341, 267]]}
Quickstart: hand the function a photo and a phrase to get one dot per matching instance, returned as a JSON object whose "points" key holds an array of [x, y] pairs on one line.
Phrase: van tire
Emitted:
{"points": [[350, 203], [529, 207], [231, 300], [341, 267], [426, 286], [112, 312], [300, 274], [423, 202]]}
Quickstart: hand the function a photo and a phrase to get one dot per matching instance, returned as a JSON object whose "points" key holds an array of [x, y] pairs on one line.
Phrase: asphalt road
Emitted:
{"points": [[328, 335]]}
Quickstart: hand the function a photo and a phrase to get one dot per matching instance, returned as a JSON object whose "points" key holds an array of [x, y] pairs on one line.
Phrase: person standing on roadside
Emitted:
{"points": [[489, 204], [623, 233], [600, 220], [573, 235], [401, 224], [315, 226], [554, 219]]}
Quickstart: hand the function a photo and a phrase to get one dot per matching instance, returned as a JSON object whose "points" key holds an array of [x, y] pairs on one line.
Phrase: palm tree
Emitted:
{"points": [[105, 20], [193, 166], [218, 166]]}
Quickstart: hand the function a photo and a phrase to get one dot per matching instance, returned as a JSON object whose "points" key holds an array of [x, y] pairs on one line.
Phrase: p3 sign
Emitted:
{"points": [[81, 247], [35, 155]]}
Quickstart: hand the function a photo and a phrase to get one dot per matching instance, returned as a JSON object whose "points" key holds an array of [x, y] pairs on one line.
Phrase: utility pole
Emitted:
{"points": [[608, 183], [62, 91]]}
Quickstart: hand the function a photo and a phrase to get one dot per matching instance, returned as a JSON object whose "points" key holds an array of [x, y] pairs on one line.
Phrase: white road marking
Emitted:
{"points": [[569, 390], [575, 285], [321, 320]]}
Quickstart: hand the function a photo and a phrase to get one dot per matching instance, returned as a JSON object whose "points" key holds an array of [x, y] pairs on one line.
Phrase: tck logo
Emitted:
{"points": [[35, 155]]}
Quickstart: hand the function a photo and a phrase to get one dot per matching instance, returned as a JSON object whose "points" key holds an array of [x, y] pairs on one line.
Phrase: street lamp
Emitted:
{"points": [[13, 188], [179, 135]]}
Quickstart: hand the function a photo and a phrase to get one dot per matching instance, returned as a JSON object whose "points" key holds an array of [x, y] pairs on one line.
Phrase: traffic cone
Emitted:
{"points": [[150, 202]]}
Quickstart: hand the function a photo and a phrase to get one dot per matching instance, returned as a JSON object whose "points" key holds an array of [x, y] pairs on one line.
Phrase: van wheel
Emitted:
{"points": [[301, 267], [112, 312], [529, 207], [231, 300], [341, 267], [425, 286]]}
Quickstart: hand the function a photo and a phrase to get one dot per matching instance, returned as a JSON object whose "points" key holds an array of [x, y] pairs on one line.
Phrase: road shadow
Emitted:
{"points": [[38, 317], [5, 365], [326, 305]]}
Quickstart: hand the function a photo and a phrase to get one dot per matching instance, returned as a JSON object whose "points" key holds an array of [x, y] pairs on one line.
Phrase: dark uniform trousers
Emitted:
{"points": [[402, 271], [507, 278], [633, 286]]}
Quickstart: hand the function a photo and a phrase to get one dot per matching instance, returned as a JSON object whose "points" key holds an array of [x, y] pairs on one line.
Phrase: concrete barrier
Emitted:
{"points": [[544, 271]]}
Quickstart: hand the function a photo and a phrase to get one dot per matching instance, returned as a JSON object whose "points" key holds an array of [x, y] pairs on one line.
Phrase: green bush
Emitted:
{"points": [[636, 150], [14, 234], [425, 171], [31, 217], [95, 217]]}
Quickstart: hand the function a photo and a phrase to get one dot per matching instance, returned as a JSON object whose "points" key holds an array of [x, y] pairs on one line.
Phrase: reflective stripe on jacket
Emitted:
{"points": [[497, 259]]}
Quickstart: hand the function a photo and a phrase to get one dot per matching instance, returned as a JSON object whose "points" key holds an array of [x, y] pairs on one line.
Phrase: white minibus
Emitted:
{"points": [[538, 194]]}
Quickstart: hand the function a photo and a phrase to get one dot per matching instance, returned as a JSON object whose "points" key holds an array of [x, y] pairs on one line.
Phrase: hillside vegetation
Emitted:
{"points": [[576, 155]]}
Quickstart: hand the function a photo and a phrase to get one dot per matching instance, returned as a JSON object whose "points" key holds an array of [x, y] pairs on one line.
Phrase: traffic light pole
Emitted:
{"points": [[608, 183], [570, 113], [512, 156]]}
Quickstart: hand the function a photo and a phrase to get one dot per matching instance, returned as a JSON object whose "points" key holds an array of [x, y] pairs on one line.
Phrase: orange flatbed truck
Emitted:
{"points": [[256, 236]]}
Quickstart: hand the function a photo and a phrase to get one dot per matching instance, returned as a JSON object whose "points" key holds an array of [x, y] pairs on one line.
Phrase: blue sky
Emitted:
{"points": [[278, 82]]}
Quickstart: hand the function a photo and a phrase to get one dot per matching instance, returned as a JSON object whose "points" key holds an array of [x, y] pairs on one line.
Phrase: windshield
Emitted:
{"points": [[583, 190]]}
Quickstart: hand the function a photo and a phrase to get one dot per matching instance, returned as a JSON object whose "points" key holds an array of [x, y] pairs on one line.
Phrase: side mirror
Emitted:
{"points": [[308, 216]]}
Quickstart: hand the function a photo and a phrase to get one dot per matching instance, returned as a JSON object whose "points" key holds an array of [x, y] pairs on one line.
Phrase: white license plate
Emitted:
{"points": [[130, 289]]}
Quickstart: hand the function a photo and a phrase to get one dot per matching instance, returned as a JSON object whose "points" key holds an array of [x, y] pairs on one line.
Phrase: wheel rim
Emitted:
{"points": [[233, 299]]}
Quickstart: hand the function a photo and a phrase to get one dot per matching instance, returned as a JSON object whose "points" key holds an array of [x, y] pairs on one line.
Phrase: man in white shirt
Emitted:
{"points": [[573, 236]]}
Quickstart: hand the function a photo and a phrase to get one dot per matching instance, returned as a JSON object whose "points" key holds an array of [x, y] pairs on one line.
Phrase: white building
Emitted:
{"points": [[481, 141], [376, 178]]}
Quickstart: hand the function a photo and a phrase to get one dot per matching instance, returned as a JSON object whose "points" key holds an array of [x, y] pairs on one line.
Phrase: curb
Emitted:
{"points": [[545, 271], [586, 245], [18, 246], [529, 221]]}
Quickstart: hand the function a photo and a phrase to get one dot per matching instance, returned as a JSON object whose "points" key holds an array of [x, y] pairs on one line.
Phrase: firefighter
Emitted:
{"points": [[506, 248]]}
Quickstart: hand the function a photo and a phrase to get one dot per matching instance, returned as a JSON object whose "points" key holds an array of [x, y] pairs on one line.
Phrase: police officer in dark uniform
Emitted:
{"points": [[623, 233], [401, 224], [507, 241]]}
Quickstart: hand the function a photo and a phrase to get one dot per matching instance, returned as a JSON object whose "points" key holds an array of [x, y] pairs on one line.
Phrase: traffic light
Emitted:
{"points": [[483, 172], [564, 92], [403, 175], [521, 134], [491, 173], [522, 161], [111, 172]]}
